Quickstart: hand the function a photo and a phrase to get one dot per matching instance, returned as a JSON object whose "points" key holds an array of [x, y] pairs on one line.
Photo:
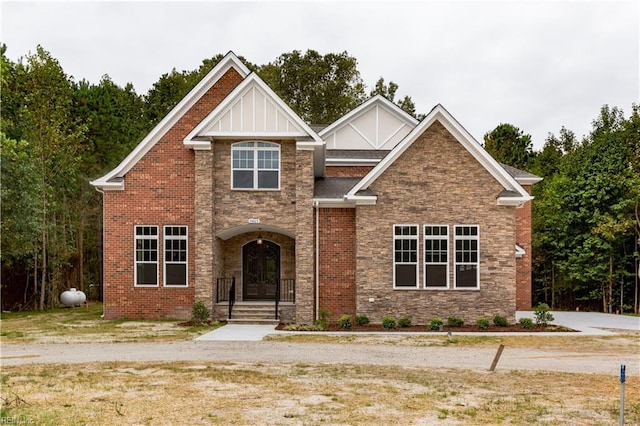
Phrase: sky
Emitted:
{"points": [[537, 65]]}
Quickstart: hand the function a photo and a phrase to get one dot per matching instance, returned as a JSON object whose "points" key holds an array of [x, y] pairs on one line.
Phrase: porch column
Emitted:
{"points": [[203, 276], [305, 287]]}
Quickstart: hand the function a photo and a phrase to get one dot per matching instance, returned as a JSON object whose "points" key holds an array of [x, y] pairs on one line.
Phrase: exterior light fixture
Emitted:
{"points": [[259, 241]]}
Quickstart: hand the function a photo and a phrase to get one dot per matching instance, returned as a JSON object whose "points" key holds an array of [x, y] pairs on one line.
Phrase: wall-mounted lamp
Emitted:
{"points": [[259, 241]]}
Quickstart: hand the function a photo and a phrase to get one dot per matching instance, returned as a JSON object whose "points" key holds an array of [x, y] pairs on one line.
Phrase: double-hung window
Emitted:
{"points": [[146, 261], [405, 256], [436, 258], [175, 256], [255, 165], [467, 259]]}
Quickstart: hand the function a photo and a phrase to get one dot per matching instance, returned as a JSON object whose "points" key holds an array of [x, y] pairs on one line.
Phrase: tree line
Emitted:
{"points": [[57, 134]]}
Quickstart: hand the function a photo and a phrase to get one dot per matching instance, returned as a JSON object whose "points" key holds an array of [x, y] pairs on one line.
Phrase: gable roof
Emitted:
{"points": [[252, 110], [114, 179], [513, 194], [376, 124]]}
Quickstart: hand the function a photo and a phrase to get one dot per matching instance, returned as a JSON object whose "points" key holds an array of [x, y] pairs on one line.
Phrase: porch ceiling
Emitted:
{"points": [[243, 229]]}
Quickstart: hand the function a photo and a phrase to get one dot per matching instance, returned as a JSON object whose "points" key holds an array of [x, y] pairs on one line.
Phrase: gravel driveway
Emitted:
{"points": [[471, 357], [475, 358]]}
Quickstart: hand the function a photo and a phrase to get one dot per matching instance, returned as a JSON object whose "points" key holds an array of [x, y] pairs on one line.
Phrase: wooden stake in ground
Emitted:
{"points": [[496, 358]]}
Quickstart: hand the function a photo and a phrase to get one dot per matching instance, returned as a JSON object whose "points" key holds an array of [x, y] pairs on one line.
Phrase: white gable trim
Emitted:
{"points": [[364, 107], [205, 131], [229, 61], [377, 103], [440, 114]]}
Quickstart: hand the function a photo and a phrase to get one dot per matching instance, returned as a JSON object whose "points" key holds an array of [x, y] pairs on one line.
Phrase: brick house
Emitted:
{"points": [[233, 196]]}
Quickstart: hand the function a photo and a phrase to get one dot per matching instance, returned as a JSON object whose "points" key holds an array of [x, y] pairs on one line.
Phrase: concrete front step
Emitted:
{"points": [[253, 313]]}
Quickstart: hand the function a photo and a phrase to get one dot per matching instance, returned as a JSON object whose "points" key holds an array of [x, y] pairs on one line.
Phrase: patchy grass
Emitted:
{"points": [[82, 325], [620, 343], [213, 393]]}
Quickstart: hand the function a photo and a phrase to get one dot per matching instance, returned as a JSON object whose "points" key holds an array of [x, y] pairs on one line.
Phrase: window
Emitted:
{"points": [[146, 245], [255, 165], [467, 260], [436, 258], [405, 256], [175, 256]]}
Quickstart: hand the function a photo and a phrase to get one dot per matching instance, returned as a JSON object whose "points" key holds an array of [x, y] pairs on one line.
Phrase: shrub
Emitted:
{"points": [[362, 319], [483, 323], [303, 327], [404, 322], [542, 314], [200, 313], [500, 321], [455, 322], [389, 323], [435, 324], [345, 321], [323, 319], [526, 323]]}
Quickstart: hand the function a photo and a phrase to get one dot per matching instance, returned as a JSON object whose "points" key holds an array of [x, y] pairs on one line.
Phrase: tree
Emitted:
{"points": [[509, 145], [55, 139], [319, 88], [389, 92]]}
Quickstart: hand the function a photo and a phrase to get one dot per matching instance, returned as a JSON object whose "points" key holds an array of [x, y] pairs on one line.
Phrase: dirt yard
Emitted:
{"points": [[158, 375]]}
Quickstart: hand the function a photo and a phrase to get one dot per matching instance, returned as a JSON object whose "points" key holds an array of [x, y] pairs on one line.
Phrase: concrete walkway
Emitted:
{"points": [[588, 323]]}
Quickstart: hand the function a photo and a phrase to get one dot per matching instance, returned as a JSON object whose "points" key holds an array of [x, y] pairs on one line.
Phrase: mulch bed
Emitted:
{"points": [[425, 328]]}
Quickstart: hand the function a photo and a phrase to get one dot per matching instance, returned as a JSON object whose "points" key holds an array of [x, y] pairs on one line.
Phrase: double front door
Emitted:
{"points": [[260, 270]]}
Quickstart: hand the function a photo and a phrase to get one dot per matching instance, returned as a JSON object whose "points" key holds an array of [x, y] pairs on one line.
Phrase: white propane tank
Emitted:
{"points": [[73, 297]]}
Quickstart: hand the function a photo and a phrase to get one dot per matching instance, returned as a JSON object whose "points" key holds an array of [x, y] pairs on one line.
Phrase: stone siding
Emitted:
{"points": [[435, 181]]}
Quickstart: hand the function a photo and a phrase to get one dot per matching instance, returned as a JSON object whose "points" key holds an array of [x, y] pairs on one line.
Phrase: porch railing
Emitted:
{"points": [[285, 292], [226, 291]]}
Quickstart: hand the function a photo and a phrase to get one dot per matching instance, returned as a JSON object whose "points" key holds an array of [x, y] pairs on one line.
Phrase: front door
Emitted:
{"points": [[260, 270]]}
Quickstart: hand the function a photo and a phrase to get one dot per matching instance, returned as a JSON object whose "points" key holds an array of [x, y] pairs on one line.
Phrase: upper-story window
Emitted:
{"points": [[255, 165]]}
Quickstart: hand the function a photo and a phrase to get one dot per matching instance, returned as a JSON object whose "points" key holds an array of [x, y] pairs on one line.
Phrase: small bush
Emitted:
{"points": [[435, 324], [389, 323], [345, 321], [455, 322], [303, 327], [542, 314], [200, 313], [483, 323], [323, 319], [500, 321], [362, 319], [404, 322], [526, 323]]}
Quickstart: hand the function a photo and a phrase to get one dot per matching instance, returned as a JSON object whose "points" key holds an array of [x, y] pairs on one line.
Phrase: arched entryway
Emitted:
{"points": [[260, 270]]}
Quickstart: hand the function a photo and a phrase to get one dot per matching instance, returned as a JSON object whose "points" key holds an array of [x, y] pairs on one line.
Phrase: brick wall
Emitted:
{"points": [[337, 261], [347, 171], [436, 181], [523, 264], [159, 190]]}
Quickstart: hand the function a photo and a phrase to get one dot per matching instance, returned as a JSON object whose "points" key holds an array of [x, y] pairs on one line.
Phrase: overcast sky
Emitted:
{"points": [[536, 65]]}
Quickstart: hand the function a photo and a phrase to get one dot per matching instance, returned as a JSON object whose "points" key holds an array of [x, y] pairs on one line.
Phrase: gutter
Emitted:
{"points": [[316, 204]]}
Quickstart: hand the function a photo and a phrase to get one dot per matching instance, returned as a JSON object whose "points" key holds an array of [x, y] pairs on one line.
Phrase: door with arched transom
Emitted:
{"points": [[260, 270]]}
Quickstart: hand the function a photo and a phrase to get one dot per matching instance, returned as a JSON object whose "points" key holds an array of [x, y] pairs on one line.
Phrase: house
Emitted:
{"points": [[232, 197]]}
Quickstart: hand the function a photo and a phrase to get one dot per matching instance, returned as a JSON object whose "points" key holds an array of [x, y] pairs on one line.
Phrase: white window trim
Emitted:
{"points": [[137, 237], [164, 255], [455, 260], [273, 147], [417, 262], [447, 263]]}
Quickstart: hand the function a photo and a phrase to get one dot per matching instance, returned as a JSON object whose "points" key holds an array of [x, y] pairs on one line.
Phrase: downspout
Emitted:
{"points": [[103, 250], [316, 205]]}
